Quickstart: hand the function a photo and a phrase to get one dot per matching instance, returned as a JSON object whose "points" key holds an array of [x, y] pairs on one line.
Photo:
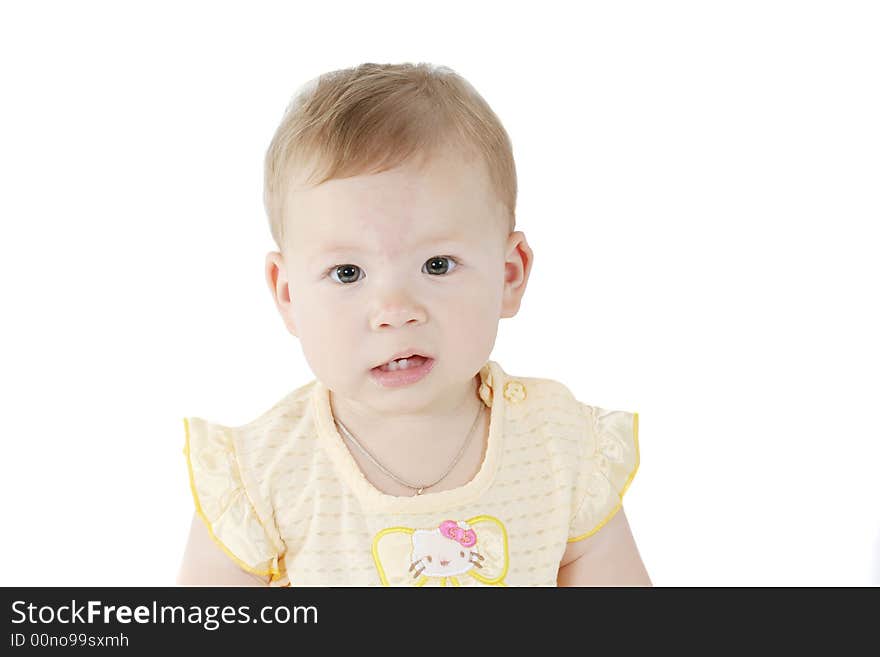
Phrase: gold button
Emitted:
{"points": [[514, 391]]}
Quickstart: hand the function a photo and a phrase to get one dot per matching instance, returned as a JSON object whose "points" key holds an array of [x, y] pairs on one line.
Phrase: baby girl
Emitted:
{"points": [[411, 459]]}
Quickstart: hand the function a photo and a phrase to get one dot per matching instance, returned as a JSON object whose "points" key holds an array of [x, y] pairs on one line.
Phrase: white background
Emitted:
{"points": [[699, 182]]}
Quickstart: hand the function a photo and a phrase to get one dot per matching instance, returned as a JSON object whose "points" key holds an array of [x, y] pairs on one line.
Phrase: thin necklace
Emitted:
{"points": [[416, 488]]}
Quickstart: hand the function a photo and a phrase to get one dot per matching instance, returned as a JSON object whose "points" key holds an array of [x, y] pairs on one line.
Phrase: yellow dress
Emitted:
{"points": [[283, 496]]}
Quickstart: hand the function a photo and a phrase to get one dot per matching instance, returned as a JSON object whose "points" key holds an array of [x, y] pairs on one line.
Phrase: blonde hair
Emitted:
{"points": [[374, 117]]}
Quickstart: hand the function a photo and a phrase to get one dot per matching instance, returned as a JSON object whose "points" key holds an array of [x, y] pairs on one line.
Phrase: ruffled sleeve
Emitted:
{"points": [[608, 462], [236, 516]]}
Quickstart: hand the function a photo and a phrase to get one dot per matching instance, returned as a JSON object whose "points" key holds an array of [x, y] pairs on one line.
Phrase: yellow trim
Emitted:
{"points": [[274, 572], [422, 581], [454, 581], [625, 486], [443, 582]]}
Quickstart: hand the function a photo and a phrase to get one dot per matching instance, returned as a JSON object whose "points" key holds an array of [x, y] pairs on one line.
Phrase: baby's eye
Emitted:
{"points": [[429, 559], [436, 263], [462, 554], [345, 273]]}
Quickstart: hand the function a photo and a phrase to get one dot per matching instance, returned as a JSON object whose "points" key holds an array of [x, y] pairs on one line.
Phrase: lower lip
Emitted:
{"points": [[399, 378]]}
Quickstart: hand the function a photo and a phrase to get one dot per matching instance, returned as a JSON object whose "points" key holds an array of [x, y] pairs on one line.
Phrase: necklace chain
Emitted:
{"points": [[415, 487]]}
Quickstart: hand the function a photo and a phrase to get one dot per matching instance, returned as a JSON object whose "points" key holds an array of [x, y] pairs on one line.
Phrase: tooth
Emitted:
{"points": [[401, 364]]}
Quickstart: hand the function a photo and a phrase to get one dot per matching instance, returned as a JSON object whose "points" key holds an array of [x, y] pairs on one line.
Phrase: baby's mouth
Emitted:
{"points": [[403, 363]]}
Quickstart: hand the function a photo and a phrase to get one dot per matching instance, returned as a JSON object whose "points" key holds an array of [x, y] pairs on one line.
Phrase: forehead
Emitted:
{"points": [[447, 198]]}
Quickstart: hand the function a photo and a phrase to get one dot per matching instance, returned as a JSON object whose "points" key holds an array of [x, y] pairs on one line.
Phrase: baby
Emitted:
{"points": [[411, 458]]}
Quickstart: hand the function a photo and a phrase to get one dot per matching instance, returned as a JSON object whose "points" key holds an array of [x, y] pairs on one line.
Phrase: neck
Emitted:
{"points": [[448, 421]]}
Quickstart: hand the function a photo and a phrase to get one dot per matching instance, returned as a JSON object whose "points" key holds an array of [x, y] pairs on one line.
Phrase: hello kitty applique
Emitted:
{"points": [[454, 553]]}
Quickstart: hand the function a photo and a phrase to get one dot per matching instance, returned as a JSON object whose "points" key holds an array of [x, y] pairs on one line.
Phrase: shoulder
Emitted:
{"points": [[553, 398], [246, 448], [245, 451], [541, 410], [551, 401], [291, 412], [546, 409], [532, 393]]}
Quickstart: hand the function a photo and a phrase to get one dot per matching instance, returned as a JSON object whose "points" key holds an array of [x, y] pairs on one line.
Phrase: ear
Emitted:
{"points": [[517, 267], [276, 277]]}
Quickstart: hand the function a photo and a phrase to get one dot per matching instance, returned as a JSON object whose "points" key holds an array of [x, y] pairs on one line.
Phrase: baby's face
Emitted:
{"points": [[403, 259]]}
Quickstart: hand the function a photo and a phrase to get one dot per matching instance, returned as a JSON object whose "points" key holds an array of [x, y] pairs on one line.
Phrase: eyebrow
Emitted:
{"points": [[331, 249]]}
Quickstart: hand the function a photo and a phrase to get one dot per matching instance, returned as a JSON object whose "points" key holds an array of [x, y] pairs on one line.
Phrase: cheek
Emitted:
{"points": [[326, 335], [476, 303], [321, 317], [471, 326]]}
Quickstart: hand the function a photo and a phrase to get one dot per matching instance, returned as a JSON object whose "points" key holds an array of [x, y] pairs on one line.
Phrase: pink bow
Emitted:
{"points": [[450, 529]]}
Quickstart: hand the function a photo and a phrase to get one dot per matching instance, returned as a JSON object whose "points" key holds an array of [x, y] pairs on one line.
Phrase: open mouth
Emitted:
{"points": [[402, 371], [415, 360]]}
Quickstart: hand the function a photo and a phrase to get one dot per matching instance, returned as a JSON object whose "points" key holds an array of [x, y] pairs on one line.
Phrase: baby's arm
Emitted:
{"points": [[607, 558], [205, 563]]}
